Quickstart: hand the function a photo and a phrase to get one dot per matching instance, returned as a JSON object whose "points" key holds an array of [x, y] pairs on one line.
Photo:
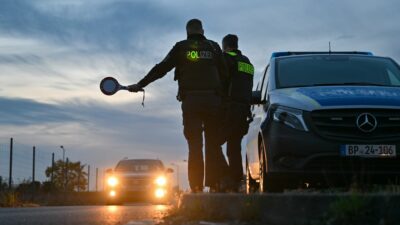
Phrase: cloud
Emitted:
{"points": [[107, 25], [65, 49], [27, 112], [92, 126]]}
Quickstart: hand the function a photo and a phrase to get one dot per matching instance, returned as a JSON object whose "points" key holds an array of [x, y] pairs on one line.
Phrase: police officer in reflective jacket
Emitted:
{"points": [[200, 70], [237, 106]]}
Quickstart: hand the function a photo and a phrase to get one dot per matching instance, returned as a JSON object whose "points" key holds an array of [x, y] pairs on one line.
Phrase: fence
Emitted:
{"points": [[23, 164]]}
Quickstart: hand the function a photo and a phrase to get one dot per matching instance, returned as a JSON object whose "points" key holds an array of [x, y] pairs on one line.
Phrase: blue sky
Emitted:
{"points": [[53, 54]]}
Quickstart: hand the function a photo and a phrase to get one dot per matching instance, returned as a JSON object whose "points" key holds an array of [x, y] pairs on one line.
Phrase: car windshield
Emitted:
{"points": [[320, 70], [139, 166]]}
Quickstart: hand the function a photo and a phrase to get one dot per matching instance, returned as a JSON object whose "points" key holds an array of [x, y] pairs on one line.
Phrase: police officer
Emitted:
{"points": [[200, 70], [238, 94]]}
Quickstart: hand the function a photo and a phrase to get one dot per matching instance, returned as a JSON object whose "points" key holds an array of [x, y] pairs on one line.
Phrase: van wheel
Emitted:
{"points": [[251, 184], [266, 183]]}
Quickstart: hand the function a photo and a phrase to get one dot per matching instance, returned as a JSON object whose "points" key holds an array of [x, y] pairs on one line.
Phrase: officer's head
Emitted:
{"points": [[194, 26], [230, 42]]}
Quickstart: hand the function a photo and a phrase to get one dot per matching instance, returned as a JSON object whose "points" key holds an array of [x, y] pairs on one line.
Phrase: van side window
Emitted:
{"points": [[393, 79]]}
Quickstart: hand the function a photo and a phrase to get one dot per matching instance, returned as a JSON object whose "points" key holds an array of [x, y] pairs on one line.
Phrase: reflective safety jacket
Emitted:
{"points": [[199, 65], [241, 72]]}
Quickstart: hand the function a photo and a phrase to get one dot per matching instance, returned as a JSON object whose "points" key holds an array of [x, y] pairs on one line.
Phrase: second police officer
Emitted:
{"points": [[237, 106]]}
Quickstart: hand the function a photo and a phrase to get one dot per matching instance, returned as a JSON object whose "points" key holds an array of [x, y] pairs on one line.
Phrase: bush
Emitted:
{"points": [[9, 199]]}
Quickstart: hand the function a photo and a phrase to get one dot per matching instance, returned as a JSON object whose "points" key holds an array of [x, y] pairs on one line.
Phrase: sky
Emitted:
{"points": [[53, 54]]}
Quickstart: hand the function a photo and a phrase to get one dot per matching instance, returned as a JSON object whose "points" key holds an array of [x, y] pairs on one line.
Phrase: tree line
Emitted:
{"points": [[61, 176]]}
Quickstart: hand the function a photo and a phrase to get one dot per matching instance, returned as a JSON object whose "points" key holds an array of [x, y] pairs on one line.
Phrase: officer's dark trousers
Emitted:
{"points": [[236, 127], [200, 113], [234, 153]]}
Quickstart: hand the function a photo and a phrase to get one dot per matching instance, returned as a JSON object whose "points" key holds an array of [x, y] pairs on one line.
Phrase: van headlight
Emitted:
{"points": [[290, 117], [161, 181], [112, 181]]}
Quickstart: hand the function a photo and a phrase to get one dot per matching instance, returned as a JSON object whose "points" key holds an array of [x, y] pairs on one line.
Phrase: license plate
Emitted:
{"points": [[368, 150]]}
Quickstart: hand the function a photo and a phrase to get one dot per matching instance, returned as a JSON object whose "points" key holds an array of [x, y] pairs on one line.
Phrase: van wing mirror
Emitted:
{"points": [[256, 98]]}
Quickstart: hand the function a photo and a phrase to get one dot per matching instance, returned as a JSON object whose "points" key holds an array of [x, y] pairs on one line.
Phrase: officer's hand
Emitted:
{"points": [[135, 88]]}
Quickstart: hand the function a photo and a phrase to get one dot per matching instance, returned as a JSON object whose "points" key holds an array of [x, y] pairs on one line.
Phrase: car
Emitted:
{"points": [[324, 119], [132, 179]]}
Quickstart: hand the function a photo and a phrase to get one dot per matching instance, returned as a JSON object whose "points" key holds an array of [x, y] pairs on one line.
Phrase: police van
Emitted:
{"points": [[324, 118]]}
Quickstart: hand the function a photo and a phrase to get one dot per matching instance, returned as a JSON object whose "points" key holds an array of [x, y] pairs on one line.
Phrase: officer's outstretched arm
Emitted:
{"points": [[160, 69]]}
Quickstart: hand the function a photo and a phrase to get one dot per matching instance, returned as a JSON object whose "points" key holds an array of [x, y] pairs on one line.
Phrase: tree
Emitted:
{"points": [[68, 176], [27, 186], [3, 185]]}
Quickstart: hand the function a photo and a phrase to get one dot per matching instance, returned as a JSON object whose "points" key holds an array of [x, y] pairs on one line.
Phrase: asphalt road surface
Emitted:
{"points": [[135, 214]]}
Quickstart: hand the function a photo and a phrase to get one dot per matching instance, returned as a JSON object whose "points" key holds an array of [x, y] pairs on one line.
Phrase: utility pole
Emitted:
{"points": [[88, 178], [33, 172], [103, 180], [63, 149], [66, 175], [64, 170], [11, 162], [33, 163], [1, 178], [79, 180], [52, 169], [97, 176]]}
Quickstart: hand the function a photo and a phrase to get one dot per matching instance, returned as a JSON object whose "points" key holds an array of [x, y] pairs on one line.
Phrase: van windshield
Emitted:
{"points": [[321, 70], [139, 166]]}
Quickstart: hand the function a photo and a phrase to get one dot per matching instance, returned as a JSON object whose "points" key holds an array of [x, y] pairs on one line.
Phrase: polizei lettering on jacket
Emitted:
{"points": [[196, 55]]}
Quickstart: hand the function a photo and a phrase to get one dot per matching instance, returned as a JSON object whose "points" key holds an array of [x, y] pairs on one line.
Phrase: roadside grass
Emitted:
{"points": [[358, 206], [360, 210], [350, 211], [355, 186], [9, 199], [250, 211], [13, 198]]}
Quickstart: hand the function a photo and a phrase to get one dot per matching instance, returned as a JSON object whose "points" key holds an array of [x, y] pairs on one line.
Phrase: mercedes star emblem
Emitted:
{"points": [[366, 122]]}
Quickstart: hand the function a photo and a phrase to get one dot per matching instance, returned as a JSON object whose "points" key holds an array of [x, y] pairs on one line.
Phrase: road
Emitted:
{"points": [[135, 214]]}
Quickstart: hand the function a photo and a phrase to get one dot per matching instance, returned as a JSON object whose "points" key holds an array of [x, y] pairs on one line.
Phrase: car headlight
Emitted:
{"points": [[112, 181], [160, 193], [161, 181], [112, 193], [290, 117]]}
